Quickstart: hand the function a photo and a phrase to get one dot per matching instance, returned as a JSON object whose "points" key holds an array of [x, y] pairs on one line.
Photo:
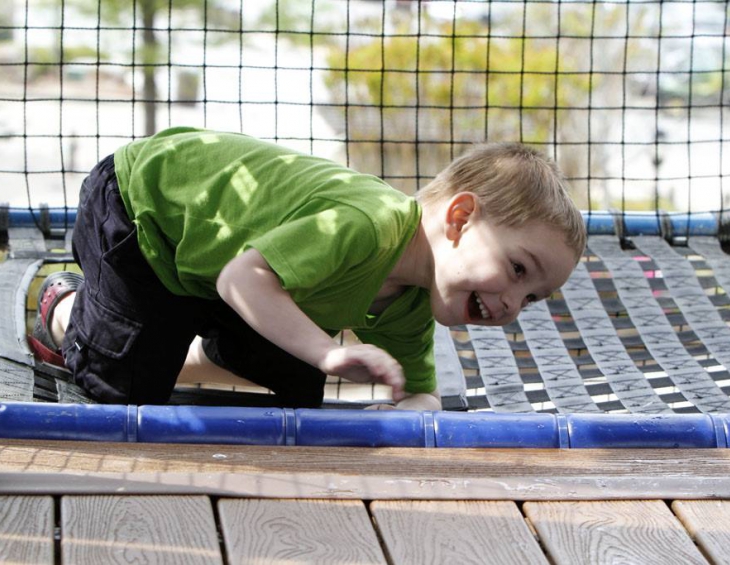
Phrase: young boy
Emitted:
{"points": [[267, 253]]}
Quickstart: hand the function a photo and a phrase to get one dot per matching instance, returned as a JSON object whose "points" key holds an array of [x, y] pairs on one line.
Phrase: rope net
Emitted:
{"points": [[631, 97]]}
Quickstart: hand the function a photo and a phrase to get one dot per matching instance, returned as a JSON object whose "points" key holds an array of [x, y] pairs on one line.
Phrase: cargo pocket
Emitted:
{"points": [[102, 329]]}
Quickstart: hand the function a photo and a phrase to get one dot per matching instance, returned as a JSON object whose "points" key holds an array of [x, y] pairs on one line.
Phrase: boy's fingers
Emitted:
{"points": [[368, 362], [399, 393], [378, 362], [396, 380], [391, 374]]}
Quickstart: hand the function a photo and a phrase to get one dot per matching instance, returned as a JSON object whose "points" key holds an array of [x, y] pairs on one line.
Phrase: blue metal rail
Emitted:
{"points": [[43, 217], [599, 222], [358, 428], [675, 224]]}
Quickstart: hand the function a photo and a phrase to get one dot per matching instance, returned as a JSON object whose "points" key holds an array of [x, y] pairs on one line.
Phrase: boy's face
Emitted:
{"points": [[486, 273]]}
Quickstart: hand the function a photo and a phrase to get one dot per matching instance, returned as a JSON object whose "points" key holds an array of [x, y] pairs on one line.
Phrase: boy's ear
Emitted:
{"points": [[460, 210]]}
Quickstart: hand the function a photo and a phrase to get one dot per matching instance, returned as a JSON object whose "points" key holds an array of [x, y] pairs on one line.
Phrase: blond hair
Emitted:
{"points": [[515, 185]]}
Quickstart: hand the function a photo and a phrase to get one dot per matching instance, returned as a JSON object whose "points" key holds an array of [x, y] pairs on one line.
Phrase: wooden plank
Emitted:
{"points": [[626, 531], [298, 531], [58, 467], [458, 531], [26, 529], [708, 522], [129, 529]]}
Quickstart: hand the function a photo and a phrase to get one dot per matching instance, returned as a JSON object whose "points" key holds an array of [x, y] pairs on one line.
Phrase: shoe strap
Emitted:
{"points": [[45, 354]]}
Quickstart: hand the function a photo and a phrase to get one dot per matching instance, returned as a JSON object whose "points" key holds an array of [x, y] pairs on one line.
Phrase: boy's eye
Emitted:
{"points": [[530, 298], [519, 268]]}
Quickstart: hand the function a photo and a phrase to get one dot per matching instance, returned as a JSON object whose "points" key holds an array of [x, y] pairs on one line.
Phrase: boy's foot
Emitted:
{"points": [[54, 288]]}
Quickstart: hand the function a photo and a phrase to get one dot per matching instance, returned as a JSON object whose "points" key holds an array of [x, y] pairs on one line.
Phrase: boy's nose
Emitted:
{"points": [[511, 303]]}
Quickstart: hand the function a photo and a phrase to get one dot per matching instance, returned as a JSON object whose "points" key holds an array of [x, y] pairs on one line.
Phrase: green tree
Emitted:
{"points": [[414, 96], [466, 86], [303, 24]]}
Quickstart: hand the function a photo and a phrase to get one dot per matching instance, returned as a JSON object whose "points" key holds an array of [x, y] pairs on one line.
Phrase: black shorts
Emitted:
{"points": [[128, 335]]}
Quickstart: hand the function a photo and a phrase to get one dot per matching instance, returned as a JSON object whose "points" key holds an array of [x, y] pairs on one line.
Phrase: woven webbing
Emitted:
{"points": [[638, 329], [604, 345], [657, 333]]}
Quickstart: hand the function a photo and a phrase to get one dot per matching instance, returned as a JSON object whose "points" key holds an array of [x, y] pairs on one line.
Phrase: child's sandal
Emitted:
{"points": [[53, 290]]}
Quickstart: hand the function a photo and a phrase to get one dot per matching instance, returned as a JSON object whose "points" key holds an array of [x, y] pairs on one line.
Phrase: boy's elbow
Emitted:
{"points": [[233, 275], [248, 270], [223, 282]]}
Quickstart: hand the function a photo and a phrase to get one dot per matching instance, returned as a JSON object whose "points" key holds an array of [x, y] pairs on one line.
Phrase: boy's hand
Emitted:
{"points": [[254, 291], [365, 364]]}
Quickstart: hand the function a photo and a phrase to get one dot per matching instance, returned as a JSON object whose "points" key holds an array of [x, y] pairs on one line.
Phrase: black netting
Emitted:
{"points": [[630, 96]]}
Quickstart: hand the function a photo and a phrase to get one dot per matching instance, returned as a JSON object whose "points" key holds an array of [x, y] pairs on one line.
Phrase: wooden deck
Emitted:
{"points": [[198, 529], [99, 503], [84, 502]]}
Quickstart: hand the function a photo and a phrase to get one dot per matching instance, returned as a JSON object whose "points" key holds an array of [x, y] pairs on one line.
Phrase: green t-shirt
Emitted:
{"points": [[332, 235]]}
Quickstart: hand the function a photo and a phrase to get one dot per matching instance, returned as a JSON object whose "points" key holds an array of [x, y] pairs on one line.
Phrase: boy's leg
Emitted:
{"points": [[198, 369], [55, 289], [61, 316], [239, 349], [127, 336]]}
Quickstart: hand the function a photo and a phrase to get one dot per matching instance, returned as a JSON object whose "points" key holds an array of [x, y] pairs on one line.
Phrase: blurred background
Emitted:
{"points": [[631, 97]]}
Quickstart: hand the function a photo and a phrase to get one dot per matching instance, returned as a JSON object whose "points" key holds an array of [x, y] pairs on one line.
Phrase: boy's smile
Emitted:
{"points": [[485, 273]]}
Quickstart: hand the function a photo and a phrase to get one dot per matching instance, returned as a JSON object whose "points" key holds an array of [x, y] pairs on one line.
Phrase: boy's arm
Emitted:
{"points": [[253, 290]]}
